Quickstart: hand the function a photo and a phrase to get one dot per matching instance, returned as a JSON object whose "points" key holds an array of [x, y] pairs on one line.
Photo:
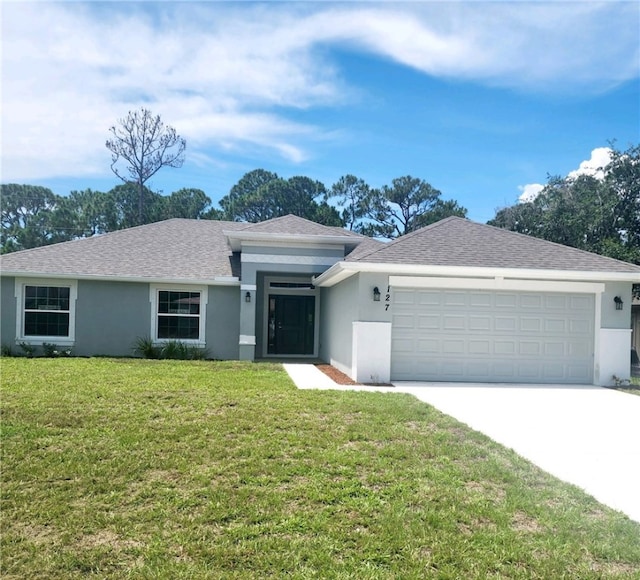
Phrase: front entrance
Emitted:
{"points": [[291, 324]]}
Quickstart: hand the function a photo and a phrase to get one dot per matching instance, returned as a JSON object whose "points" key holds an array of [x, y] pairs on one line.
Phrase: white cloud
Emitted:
{"points": [[600, 157], [529, 192], [228, 74]]}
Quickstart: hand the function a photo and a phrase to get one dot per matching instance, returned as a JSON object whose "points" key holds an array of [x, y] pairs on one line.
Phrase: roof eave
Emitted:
{"points": [[215, 281], [342, 270]]}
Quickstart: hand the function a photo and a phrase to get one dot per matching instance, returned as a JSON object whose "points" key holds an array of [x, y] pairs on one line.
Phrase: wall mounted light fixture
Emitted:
{"points": [[247, 297], [619, 303], [376, 294]]}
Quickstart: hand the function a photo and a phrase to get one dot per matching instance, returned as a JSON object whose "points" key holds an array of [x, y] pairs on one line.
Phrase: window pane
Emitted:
{"points": [[179, 327], [46, 324], [170, 302], [46, 298]]}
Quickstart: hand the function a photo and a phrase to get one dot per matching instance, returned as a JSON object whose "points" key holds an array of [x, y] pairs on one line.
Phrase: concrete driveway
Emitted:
{"points": [[585, 435]]}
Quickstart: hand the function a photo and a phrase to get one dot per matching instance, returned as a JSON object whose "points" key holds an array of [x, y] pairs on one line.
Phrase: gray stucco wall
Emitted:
{"points": [[223, 322], [612, 318], [7, 312], [110, 316], [339, 308]]}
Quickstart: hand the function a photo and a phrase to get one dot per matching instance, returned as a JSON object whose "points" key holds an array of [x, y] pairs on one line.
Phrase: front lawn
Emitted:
{"points": [[169, 469], [633, 388]]}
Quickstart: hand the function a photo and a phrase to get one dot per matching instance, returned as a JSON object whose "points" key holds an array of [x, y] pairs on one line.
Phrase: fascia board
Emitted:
{"points": [[328, 278], [497, 283], [216, 281]]}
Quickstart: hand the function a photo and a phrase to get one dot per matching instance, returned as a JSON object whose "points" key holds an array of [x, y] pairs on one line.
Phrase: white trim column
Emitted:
{"points": [[247, 338], [614, 355], [371, 352]]}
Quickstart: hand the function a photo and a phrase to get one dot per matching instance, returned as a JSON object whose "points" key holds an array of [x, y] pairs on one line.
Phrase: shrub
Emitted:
{"points": [[28, 349], [145, 348], [51, 350], [172, 349]]}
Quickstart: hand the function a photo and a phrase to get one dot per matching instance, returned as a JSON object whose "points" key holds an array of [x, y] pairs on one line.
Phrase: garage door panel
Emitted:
{"points": [[531, 301], [504, 347], [505, 300], [404, 296], [580, 349], [530, 324], [480, 300], [558, 325], [454, 346], [529, 348], [555, 349], [401, 345], [482, 323], [428, 298], [457, 322], [429, 322], [492, 336], [406, 321], [555, 302], [479, 347], [505, 324], [429, 345], [578, 326], [584, 303]]}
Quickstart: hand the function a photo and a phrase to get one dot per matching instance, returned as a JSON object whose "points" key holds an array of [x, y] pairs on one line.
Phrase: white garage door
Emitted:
{"points": [[487, 336]]}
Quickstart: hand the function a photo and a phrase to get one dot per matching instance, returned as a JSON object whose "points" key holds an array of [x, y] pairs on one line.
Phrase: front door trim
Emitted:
{"points": [[299, 291]]}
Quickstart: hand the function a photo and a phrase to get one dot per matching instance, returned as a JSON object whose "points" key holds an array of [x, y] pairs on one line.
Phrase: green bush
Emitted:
{"points": [[173, 349]]}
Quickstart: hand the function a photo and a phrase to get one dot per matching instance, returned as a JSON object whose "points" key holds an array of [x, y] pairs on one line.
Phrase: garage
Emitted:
{"points": [[492, 336]]}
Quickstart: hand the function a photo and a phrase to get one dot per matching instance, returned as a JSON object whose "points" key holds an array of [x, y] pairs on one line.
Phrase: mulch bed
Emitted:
{"points": [[334, 374], [340, 378]]}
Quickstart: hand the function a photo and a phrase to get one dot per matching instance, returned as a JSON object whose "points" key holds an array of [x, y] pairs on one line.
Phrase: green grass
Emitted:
{"points": [[633, 388], [173, 469]]}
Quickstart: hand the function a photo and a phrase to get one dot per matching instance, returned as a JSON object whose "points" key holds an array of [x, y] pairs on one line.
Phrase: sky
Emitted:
{"points": [[483, 100]]}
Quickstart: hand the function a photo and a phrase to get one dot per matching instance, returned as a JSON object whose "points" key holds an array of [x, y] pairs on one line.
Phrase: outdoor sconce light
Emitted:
{"points": [[376, 294], [619, 303], [247, 297]]}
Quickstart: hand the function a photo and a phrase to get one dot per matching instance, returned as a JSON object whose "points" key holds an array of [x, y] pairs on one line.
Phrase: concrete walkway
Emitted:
{"points": [[585, 435]]}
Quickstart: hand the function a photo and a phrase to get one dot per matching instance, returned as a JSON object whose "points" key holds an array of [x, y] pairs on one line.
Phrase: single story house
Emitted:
{"points": [[454, 301]]}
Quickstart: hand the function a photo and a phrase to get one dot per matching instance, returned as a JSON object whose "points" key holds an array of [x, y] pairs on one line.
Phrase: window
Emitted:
{"points": [[46, 311], [178, 314]]}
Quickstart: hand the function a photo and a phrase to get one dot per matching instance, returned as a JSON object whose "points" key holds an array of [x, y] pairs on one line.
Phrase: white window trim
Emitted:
{"points": [[154, 292], [20, 285]]}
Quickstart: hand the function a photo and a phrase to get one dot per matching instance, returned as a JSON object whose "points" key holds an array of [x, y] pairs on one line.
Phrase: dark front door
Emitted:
{"points": [[291, 324]]}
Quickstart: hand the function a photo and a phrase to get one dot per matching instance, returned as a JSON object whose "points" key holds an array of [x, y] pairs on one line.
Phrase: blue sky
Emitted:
{"points": [[481, 99]]}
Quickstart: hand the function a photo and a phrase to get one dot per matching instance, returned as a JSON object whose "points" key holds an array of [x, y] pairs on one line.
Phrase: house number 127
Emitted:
{"points": [[387, 299]]}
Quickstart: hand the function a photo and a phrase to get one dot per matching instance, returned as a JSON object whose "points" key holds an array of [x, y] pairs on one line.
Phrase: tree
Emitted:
{"points": [[237, 205], [123, 203], [600, 215], [140, 146], [350, 194], [83, 213], [407, 205], [26, 216], [622, 175], [187, 203], [261, 195]]}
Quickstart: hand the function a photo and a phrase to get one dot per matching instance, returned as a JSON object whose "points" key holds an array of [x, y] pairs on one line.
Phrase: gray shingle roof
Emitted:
{"points": [[174, 249], [457, 241], [294, 225], [183, 249]]}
